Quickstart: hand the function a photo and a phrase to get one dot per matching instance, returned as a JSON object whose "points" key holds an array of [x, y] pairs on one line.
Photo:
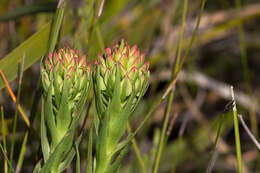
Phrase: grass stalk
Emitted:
{"points": [[3, 129], [171, 96], [246, 71], [94, 22], [23, 114], [137, 151], [6, 157], [20, 74], [22, 153], [56, 25], [236, 129], [213, 153]]}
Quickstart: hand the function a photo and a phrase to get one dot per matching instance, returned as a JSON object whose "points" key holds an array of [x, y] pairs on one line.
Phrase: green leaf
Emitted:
{"points": [[22, 152], [29, 10], [56, 25], [54, 159], [50, 117], [44, 140], [89, 158], [33, 48], [63, 118], [123, 144], [37, 168], [78, 160], [97, 92], [115, 166], [67, 160], [117, 121], [77, 151]]}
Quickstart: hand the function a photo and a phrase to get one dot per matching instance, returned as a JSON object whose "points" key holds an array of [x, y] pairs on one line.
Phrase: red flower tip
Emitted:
{"points": [[108, 51], [96, 62]]}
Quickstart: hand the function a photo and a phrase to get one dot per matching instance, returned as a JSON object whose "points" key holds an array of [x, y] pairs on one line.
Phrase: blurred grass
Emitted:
{"points": [[155, 26]]}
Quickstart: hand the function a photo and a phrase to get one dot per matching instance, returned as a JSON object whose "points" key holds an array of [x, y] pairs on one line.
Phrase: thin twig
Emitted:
{"points": [[250, 134]]}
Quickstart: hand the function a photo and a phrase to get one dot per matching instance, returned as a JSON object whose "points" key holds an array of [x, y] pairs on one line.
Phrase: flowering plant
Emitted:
{"points": [[66, 83], [120, 80]]}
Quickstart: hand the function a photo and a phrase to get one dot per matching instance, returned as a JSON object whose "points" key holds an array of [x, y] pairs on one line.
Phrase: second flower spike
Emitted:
{"points": [[120, 80]]}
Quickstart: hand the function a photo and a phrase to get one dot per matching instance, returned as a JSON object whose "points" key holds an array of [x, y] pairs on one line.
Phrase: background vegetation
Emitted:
{"points": [[225, 52]]}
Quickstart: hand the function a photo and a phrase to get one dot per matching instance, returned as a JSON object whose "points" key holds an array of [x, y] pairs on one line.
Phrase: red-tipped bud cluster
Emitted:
{"points": [[65, 65], [134, 73]]}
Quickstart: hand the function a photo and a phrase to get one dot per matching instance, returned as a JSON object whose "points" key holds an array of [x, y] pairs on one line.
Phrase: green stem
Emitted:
{"points": [[215, 144], [237, 138], [56, 25], [20, 74], [4, 137], [162, 136], [246, 72], [137, 151], [171, 96], [102, 166]]}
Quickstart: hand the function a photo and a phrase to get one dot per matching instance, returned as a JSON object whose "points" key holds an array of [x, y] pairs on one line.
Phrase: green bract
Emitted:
{"points": [[66, 82], [120, 80]]}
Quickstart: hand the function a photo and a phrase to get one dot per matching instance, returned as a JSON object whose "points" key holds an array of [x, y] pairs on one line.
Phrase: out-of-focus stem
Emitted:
{"points": [[237, 138]]}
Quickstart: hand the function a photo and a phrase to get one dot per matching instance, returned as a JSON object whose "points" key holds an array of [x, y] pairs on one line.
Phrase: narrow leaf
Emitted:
{"points": [[55, 157], [33, 48], [67, 160], [115, 166], [22, 153], [89, 157], [44, 140]]}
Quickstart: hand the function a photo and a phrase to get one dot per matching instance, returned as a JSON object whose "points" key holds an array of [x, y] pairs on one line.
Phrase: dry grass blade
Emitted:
{"points": [[23, 114]]}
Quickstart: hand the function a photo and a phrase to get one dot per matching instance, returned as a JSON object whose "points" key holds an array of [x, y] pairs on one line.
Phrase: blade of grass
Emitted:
{"points": [[5, 157], [246, 72], [33, 48], [236, 130], [100, 39], [23, 114], [29, 10], [4, 137], [171, 96], [94, 22], [137, 151], [56, 25], [77, 156], [22, 153], [20, 74], [89, 168], [213, 153]]}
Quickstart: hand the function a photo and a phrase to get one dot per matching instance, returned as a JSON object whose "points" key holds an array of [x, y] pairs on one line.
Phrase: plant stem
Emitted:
{"points": [[162, 136], [20, 74], [237, 138], [211, 162], [137, 151], [171, 96], [246, 72], [3, 131]]}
